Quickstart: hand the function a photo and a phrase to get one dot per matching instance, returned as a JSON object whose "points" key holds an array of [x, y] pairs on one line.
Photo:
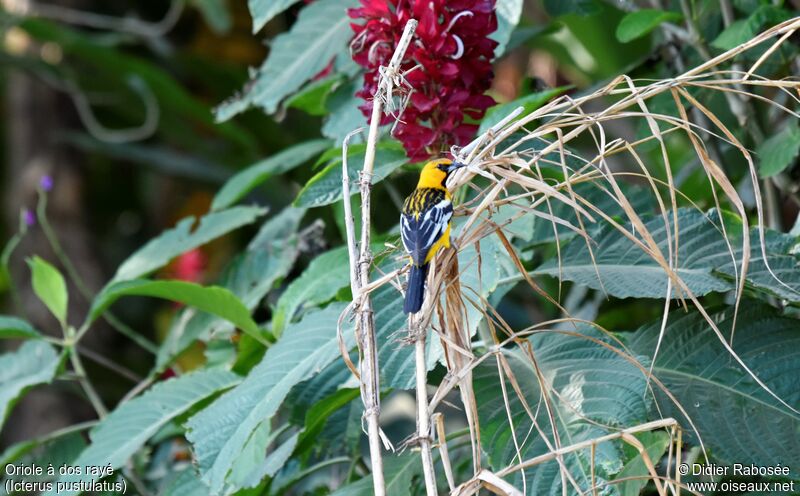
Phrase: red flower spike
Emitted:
{"points": [[451, 60]]}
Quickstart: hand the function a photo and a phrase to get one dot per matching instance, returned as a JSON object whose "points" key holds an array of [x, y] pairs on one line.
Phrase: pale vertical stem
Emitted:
{"points": [[364, 327], [349, 221], [423, 414], [365, 330], [371, 395], [370, 381]]}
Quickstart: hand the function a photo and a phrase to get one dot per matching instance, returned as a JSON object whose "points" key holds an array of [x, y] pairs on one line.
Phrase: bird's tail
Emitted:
{"points": [[416, 288]]}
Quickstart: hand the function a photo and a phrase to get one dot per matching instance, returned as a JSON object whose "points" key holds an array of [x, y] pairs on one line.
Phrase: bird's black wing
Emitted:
{"points": [[425, 217]]}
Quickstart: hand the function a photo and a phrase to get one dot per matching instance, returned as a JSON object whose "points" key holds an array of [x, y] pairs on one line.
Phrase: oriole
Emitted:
{"points": [[425, 226]]}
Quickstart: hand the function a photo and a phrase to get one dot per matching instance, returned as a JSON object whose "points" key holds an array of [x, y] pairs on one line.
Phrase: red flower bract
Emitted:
{"points": [[448, 66]]}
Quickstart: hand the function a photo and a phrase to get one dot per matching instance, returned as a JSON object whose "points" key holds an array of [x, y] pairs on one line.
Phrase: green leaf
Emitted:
{"points": [[639, 23], [35, 362], [734, 35], [264, 10], [398, 472], [588, 386], [58, 451], [214, 300], [216, 14], [50, 287], [248, 179], [326, 186], [312, 98], [220, 431], [128, 428], [544, 231], [779, 152], [556, 8], [317, 416], [508, 15], [250, 276], [759, 278], [743, 30], [187, 483], [319, 283], [14, 328], [528, 102], [655, 444], [253, 464], [321, 32], [627, 271], [182, 238], [344, 116], [738, 421]]}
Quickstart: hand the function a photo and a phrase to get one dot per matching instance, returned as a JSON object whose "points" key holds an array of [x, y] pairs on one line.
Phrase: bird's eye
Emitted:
{"points": [[442, 167]]}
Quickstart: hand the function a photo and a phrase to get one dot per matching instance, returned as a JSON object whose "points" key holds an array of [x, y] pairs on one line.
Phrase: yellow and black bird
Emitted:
{"points": [[425, 226]]}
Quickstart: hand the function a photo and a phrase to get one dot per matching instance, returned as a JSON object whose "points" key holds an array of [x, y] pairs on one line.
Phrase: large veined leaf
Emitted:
{"points": [[183, 237], [324, 277], [625, 270], [220, 431], [785, 267], [213, 299], [248, 179], [326, 186], [264, 10], [50, 287], [737, 420], [14, 328], [35, 362], [398, 473], [250, 276], [595, 193], [128, 427], [321, 32], [595, 387]]}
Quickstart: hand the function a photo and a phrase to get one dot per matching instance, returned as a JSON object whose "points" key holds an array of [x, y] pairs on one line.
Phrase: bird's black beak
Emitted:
{"points": [[455, 165]]}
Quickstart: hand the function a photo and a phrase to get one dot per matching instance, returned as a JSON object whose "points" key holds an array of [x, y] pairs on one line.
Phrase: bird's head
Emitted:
{"points": [[436, 172]]}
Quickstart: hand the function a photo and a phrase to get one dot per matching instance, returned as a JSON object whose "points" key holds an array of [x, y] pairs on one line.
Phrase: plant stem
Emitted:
{"points": [[86, 384], [8, 250], [423, 414], [365, 328], [72, 272]]}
